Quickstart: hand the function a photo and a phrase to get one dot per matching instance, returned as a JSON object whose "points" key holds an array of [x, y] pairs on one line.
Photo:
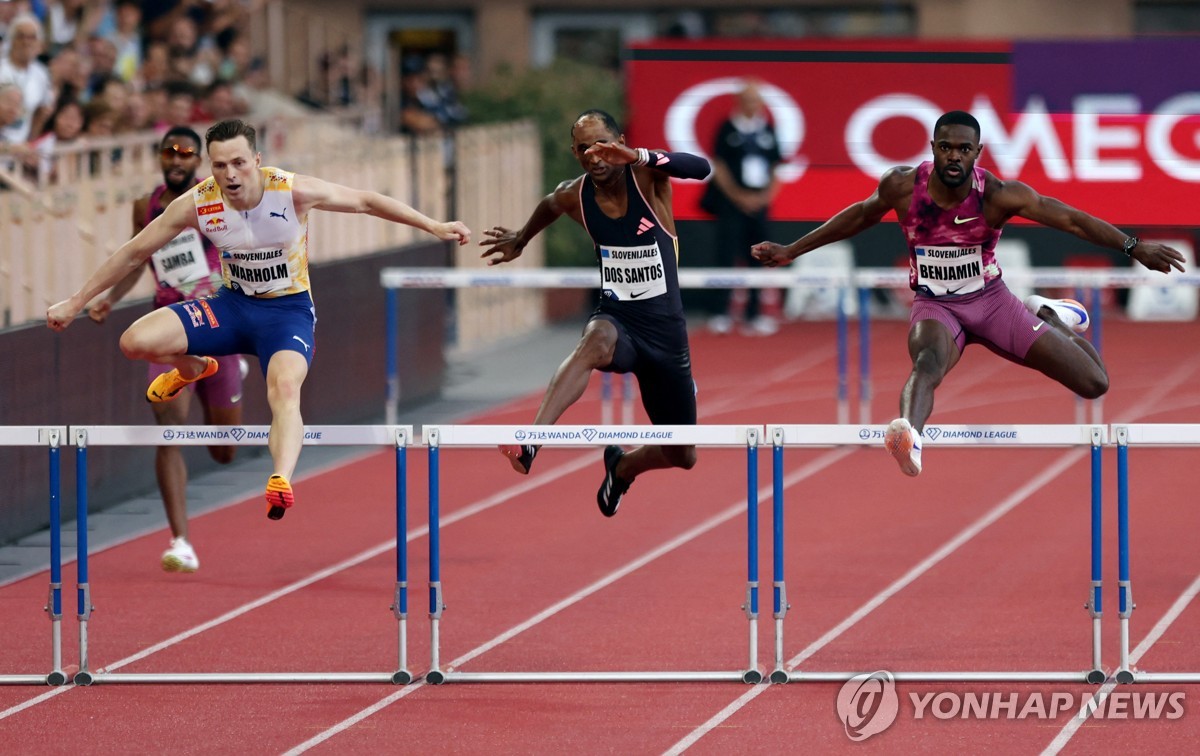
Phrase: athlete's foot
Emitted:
{"points": [[279, 497], [1071, 313], [904, 443], [613, 488], [181, 557], [520, 456], [167, 386]]}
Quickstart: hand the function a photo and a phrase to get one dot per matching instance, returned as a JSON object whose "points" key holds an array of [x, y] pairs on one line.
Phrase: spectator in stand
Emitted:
{"points": [[21, 67], [70, 22], [12, 108], [219, 103], [190, 57], [418, 103], [8, 11], [69, 72], [137, 115], [64, 127], [126, 37], [180, 106], [103, 54], [155, 70], [450, 110]]}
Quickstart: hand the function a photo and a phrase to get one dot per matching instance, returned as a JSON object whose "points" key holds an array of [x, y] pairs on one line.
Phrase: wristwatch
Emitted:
{"points": [[1130, 245]]}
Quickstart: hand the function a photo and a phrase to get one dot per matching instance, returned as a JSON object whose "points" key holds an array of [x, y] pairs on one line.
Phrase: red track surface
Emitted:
{"points": [[533, 553]]}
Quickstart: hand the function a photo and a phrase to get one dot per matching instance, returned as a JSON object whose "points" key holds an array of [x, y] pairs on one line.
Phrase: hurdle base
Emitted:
{"points": [[32, 679], [1069, 676], [402, 677], [1097, 677], [56, 678], [521, 677], [1158, 677], [107, 678]]}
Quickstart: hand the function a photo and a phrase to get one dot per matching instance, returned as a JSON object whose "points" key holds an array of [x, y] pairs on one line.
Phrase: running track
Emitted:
{"points": [[979, 564]]}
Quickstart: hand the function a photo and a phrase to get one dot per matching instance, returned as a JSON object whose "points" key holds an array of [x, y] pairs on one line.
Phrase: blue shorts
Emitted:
{"points": [[233, 323]]}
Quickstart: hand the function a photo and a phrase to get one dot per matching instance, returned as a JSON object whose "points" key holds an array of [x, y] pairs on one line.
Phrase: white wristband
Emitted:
{"points": [[643, 156]]}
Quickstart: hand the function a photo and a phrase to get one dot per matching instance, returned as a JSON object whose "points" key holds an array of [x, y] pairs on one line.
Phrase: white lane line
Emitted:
{"points": [[825, 460]]}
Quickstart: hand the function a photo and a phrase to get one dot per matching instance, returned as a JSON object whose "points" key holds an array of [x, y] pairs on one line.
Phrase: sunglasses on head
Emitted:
{"points": [[180, 151]]}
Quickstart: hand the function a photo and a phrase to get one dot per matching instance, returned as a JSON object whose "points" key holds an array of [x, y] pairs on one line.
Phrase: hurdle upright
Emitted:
{"points": [[937, 436], [397, 436], [1160, 435], [437, 437], [51, 437]]}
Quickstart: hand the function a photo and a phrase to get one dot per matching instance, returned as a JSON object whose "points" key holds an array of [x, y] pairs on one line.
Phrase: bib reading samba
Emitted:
{"points": [[632, 273], [181, 261], [949, 270]]}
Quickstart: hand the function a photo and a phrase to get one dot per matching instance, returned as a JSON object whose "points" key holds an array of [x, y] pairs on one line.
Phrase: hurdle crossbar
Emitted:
{"points": [[52, 437], [393, 279], [437, 437], [1159, 435], [1025, 436], [398, 436]]}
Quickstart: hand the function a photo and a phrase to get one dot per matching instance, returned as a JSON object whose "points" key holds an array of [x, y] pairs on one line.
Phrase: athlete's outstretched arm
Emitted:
{"points": [[682, 165], [1017, 198], [128, 258], [505, 245], [850, 221], [310, 193]]}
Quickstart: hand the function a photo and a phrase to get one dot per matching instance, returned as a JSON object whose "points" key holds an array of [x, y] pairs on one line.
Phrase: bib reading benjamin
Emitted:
{"points": [[632, 273], [949, 270]]}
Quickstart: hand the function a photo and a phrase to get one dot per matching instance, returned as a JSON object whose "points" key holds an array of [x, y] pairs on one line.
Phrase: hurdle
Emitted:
{"points": [[938, 436], [1160, 435], [397, 436], [437, 437], [51, 437], [393, 279]]}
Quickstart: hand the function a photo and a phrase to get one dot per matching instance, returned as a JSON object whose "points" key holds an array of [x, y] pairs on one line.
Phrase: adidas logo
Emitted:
{"points": [[644, 225]]}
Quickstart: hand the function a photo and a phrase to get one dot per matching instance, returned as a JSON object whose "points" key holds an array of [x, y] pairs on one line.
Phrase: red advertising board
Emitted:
{"points": [[844, 113]]}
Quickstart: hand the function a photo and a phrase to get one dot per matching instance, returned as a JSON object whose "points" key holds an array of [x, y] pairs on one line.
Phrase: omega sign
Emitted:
{"points": [[843, 117]]}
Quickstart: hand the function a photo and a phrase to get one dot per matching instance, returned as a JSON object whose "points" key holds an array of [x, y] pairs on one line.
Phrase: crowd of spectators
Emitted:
{"points": [[73, 69]]}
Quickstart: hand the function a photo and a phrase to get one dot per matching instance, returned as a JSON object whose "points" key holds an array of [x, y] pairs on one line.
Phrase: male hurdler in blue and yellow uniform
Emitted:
{"points": [[624, 203], [258, 218]]}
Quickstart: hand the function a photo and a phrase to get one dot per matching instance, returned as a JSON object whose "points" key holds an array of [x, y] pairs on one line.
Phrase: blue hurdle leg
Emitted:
{"points": [[400, 601], [1124, 587], [1096, 676], [54, 604], [83, 590], [752, 674], [435, 675], [779, 675]]}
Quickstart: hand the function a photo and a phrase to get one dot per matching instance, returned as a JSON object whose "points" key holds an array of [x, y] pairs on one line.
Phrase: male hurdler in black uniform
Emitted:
{"points": [[624, 203]]}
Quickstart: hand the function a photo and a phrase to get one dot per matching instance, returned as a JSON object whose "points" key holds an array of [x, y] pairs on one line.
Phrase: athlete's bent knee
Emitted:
{"points": [[1094, 386]]}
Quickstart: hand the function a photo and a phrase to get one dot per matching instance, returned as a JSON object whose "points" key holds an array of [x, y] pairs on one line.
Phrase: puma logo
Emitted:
{"points": [[957, 220], [283, 215], [297, 338]]}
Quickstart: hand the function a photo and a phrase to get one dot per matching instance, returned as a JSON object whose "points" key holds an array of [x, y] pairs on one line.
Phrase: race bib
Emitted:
{"points": [[181, 261], [258, 271], [632, 273], [949, 270]]}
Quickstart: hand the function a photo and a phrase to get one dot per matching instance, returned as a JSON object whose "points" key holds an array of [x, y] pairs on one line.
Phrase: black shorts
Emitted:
{"points": [[662, 364]]}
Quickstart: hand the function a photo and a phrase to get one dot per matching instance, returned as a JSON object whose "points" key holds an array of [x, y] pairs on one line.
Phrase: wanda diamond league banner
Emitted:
{"points": [[1110, 127]]}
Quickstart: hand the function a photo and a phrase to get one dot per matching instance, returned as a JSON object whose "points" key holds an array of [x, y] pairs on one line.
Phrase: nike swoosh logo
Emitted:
{"points": [[633, 295], [959, 221], [954, 291], [1039, 325]]}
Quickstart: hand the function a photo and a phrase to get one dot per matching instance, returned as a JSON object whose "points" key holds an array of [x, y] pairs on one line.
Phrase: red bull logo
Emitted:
{"points": [[213, 225]]}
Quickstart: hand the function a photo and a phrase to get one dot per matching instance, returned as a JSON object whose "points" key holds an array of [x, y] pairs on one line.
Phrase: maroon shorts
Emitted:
{"points": [[993, 317], [222, 390]]}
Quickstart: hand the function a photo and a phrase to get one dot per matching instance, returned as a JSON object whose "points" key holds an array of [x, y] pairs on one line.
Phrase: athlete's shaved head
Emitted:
{"points": [[603, 117]]}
